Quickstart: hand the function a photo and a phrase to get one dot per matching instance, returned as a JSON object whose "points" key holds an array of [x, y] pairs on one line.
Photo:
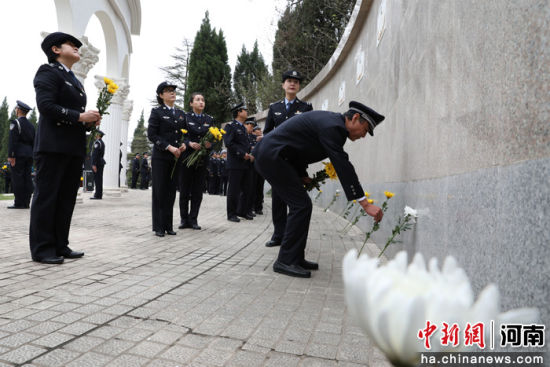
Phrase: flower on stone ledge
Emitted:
{"points": [[392, 302]]}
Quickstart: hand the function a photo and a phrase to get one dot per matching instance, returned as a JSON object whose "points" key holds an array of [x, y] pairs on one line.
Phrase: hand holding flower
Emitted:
{"points": [[208, 145], [182, 148], [194, 145], [175, 151]]}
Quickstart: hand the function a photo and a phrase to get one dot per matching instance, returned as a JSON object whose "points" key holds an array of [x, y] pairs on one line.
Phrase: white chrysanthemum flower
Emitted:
{"points": [[410, 211], [392, 302]]}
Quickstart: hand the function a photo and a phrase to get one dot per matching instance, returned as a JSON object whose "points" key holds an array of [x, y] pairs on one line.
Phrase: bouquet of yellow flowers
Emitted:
{"points": [[320, 177], [103, 103], [213, 136]]}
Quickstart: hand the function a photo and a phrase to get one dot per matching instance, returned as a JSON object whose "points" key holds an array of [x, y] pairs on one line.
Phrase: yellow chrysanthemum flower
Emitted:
{"points": [[81, 178], [107, 81], [354, 201], [330, 171], [388, 194], [4, 167], [222, 131], [111, 90], [114, 86], [184, 131], [367, 194], [370, 201]]}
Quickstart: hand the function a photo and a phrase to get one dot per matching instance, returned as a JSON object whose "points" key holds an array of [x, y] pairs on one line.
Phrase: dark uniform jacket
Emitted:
{"points": [[197, 127], [21, 139], [312, 137], [236, 141], [60, 99], [278, 114], [98, 153], [144, 167], [165, 129], [135, 165]]}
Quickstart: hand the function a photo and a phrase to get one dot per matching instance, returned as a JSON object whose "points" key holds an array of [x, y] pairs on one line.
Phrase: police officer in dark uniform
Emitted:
{"points": [[246, 200], [238, 157], [164, 131], [192, 179], [98, 163], [223, 173], [257, 179], [59, 149], [144, 172], [279, 112], [135, 171], [213, 174], [21, 141], [282, 158]]}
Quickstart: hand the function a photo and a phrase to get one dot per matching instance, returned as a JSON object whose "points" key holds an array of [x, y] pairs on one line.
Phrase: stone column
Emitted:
{"points": [[126, 114], [110, 125]]}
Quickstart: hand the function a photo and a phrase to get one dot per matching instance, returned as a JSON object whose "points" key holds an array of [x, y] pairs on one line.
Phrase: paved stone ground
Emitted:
{"points": [[201, 298]]}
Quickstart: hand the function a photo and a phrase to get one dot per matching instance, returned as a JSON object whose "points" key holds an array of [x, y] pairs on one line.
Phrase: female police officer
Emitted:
{"points": [[192, 178], [164, 131], [59, 149]]}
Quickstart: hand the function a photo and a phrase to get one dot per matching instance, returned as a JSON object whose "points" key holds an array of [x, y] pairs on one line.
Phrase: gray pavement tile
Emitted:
{"points": [[147, 349], [84, 343], [180, 354], [322, 351], [135, 335], [126, 360], [53, 340], [246, 359], [18, 339], [56, 358], [165, 337], [114, 347], [78, 328], [22, 354], [213, 357], [225, 344], [275, 359], [90, 359], [195, 341], [316, 362]]}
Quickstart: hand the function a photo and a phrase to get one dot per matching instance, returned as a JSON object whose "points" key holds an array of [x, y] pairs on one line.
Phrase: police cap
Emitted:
{"points": [[58, 38], [23, 106], [366, 113], [145, 153], [100, 133], [292, 74], [239, 106], [163, 85], [256, 128], [251, 120]]}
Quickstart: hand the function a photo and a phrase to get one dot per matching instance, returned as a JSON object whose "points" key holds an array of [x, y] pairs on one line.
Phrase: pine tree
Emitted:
{"points": [[139, 141], [209, 71], [250, 72], [5, 129], [308, 33]]}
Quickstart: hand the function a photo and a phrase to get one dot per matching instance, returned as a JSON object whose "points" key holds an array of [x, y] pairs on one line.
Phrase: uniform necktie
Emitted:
{"points": [[74, 78], [288, 104]]}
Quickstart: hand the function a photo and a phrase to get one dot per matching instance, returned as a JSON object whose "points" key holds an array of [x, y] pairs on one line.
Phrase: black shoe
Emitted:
{"points": [[251, 214], [184, 225], [272, 243], [233, 219], [94, 198], [246, 216], [291, 270], [309, 265], [72, 254], [50, 260], [259, 212], [159, 234], [170, 232], [196, 226], [16, 207]]}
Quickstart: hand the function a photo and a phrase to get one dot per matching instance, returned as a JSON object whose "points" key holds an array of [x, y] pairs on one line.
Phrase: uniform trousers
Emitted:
{"points": [[164, 193], [98, 180], [191, 184], [57, 183], [237, 183], [22, 181], [246, 197], [279, 216], [287, 184], [144, 180], [135, 175], [258, 192]]}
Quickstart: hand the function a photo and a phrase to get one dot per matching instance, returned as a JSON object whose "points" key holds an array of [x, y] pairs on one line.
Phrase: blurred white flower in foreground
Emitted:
{"points": [[392, 302]]}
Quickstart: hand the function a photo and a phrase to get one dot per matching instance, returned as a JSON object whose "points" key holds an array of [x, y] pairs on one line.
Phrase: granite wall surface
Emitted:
{"points": [[465, 89]]}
